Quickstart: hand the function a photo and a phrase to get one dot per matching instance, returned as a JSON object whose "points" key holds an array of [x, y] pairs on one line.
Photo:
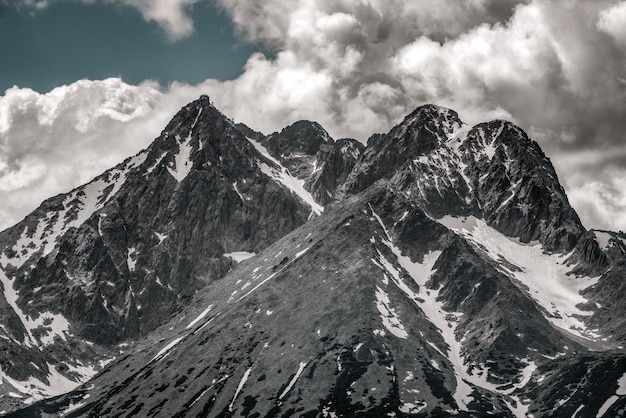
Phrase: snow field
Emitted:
{"points": [[544, 276]]}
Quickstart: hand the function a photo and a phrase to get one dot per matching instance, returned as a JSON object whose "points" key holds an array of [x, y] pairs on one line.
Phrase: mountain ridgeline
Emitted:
{"points": [[440, 270]]}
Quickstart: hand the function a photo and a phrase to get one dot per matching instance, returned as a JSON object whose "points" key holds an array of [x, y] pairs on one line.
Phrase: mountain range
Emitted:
{"points": [[438, 270]]}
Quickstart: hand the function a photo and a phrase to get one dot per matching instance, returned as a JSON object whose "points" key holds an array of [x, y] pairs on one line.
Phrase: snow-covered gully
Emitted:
{"points": [[446, 323]]}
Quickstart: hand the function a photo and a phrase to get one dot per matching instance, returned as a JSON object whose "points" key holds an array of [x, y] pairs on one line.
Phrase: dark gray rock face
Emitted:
{"points": [[446, 274], [301, 138], [491, 171], [610, 292], [332, 165]]}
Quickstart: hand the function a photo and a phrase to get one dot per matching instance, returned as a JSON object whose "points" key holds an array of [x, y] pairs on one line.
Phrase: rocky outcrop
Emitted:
{"points": [[333, 163]]}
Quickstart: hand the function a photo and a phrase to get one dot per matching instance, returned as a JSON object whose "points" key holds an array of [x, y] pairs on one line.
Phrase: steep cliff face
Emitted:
{"points": [[439, 270], [296, 146]]}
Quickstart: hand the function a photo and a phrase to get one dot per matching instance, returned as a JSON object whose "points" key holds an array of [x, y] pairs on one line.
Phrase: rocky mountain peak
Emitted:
{"points": [[197, 131], [301, 138], [425, 128], [306, 128], [439, 270], [491, 171], [427, 114], [421, 132], [307, 152], [250, 133]]}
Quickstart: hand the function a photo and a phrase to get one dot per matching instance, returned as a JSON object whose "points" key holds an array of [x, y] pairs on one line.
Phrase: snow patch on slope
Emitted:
{"points": [[48, 325], [621, 391], [165, 350], [293, 380], [242, 382], [161, 237], [240, 256], [182, 163], [544, 276], [77, 206], [151, 168], [236, 189], [131, 258], [182, 159], [446, 323], [390, 318], [200, 317], [57, 383]]}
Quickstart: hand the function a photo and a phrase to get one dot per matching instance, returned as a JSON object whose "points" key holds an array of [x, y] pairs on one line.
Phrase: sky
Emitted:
{"points": [[67, 41], [87, 83]]}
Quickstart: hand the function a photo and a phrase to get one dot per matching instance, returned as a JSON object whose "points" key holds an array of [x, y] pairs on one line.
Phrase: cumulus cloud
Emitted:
{"points": [[602, 200], [392, 22], [613, 22], [545, 64], [50, 143], [557, 68]]}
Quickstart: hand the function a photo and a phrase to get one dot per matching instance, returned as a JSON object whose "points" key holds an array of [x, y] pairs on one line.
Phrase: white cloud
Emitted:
{"points": [[595, 181], [601, 201], [362, 66], [391, 21], [613, 21], [53, 142], [544, 66], [359, 66]]}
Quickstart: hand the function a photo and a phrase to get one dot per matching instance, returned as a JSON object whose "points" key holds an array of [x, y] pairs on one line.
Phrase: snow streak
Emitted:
{"points": [[282, 175]]}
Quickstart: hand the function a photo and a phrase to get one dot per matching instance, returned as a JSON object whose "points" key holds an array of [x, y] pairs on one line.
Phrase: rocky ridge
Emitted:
{"points": [[441, 270]]}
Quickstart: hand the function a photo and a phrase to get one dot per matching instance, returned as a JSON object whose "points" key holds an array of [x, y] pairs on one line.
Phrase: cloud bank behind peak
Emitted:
{"points": [[358, 67]]}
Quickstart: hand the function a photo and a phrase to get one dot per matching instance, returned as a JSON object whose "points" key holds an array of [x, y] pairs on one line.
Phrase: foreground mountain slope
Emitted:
{"points": [[449, 276], [410, 318]]}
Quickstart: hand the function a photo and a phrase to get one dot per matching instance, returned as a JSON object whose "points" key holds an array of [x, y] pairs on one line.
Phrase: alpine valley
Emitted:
{"points": [[438, 271]]}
